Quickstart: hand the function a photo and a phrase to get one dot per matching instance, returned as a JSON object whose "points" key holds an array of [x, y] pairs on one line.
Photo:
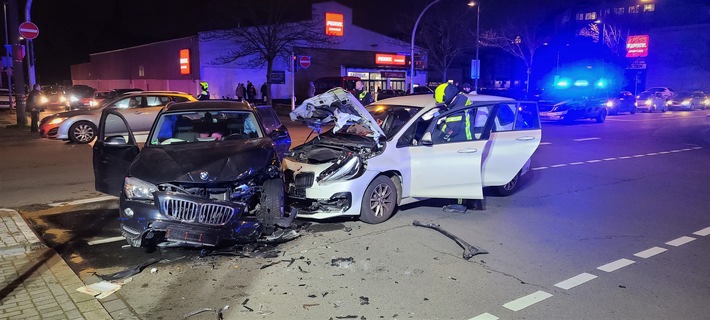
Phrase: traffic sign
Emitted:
{"points": [[304, 61], [29, 30]]}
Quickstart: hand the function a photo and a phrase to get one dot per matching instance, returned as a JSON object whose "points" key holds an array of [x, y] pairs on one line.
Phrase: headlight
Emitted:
{"points": [[73, 99], [707, 101], [135, 188], [62, 98], [649, 102], [686, 102], [610, 103], [669, 102], [43, 100], [341, 170], [57, 120]]}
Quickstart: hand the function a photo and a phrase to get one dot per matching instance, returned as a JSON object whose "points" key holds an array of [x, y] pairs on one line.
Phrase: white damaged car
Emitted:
{"points": [[404, 149]]}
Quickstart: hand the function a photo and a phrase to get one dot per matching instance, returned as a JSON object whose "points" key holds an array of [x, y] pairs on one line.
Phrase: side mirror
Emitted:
{"points": [[426, 139], [115, 140]]}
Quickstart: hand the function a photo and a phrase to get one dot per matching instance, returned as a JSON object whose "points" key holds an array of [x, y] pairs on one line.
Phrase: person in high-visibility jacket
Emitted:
{"points": [[361, 94], [205, 93], [457, 127]]}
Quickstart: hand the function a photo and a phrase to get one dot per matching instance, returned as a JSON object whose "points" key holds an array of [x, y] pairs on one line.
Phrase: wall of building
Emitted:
{"points": [[679, 58]]}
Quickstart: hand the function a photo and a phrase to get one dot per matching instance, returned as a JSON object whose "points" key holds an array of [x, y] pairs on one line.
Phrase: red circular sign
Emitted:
{"points": [[29, 30], [304, 61]]}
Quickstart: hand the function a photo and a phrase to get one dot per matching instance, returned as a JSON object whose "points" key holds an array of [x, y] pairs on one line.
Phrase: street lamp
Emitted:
{"points": [[478, 29], [411, 59]]}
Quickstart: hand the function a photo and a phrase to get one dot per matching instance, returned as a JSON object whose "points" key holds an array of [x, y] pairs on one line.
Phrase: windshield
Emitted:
{"points": [[391, 118], [205, 126]]}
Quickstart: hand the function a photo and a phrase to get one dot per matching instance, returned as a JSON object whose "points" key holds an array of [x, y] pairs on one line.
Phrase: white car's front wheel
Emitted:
{"points": [[379, 200], [508, 188]]}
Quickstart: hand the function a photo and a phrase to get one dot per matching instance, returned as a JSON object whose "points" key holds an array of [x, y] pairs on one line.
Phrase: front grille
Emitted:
{"points": [[190, 211], [53, 132], [305, 179]]}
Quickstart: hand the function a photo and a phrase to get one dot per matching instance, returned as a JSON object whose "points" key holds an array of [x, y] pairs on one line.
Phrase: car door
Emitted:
{"points": [[449, 165], [275, 129], [515, 137], [113, 152]]}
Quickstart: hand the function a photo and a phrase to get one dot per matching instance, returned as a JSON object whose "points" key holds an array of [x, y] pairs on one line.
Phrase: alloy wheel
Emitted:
{"points": [[83, 133], [381, 199]]}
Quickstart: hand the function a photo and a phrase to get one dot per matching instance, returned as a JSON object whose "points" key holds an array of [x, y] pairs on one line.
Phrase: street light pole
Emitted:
{"points": [[411, 57], [478, 62]]}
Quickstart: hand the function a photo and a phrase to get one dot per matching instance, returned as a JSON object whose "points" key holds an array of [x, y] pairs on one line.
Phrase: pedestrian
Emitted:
{"points": [[240, 92], [263, 92], [205, 93], [361, 94], [34, 98], [311, 89], [251, 91]]}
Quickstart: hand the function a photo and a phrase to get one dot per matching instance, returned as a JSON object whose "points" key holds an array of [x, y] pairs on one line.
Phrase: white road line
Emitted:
{"points": [[558, 165], [540, 168], [593, 161], [625, 157], [650, 252], [575, 281], [82, 201], [676, 151], [696, 148], [703, 232], [586, 139], [576, 163], [680, 241], [484, 316], [105, 240], [610, 159], [652, 154], [526, 301], [663, 152], [639, 155], [545, 143], [616, 265]]}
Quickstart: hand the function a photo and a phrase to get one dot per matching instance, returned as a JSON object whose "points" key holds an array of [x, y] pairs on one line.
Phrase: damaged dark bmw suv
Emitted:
{"points": [[209, 174]]}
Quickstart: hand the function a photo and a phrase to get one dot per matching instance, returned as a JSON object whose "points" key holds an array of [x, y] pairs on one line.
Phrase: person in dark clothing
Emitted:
{"points": [[240, 92], [263, 92], [251, 91], [34, 98]]}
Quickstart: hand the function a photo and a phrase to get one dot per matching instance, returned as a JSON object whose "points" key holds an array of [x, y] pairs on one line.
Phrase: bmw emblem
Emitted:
{"points": [[204, 175]]}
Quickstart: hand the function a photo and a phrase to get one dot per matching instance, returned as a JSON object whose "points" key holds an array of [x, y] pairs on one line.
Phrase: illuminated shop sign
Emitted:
{"points": [[390, 59], [334, 24], [185, 61], [637, 46]]}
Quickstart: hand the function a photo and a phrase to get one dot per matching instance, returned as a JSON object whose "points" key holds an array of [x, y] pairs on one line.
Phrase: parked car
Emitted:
{"points": [[666, 92], [687, 101], [388, 93], [623, 102], [396, 151], [53, 97], [139, 108], [5, 99], [80, 97], [209, 174], [423, 90], [117, 92], [99, 97], [572, 107]]}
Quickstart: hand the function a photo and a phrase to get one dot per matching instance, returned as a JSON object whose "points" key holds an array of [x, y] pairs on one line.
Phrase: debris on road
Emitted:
{"points": [[217, 312], [154, 270], [364, 300], [128, 272], [308, 305], [342, 262], [103, 289], [244, 304], [468, 250]]}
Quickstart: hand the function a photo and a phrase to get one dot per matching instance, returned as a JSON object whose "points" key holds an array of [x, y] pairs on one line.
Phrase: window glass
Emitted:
{"points": [[122, 104], [505, 117], [412, 136], [115, 130], [649, 7], [455, 127], [527, 116], [269, 118], [205, 126], [391, 118], [156, 101]]}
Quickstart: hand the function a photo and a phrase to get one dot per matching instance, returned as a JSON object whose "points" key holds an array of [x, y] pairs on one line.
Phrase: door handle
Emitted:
{"points": [[468, 150], [525, 138]]}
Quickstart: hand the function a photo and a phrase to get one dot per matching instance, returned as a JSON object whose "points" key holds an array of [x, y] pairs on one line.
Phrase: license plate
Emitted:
{"points": [[189, 235]]}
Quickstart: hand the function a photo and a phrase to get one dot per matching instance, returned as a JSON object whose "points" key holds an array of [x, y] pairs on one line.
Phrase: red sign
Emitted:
{"points": [[334, 24], [185, 61], [390, 59], [637, 46], [304, 62], [29, 30]]}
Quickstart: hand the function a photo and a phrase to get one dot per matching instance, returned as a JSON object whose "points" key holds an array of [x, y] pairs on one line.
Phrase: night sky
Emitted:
{"points": [[71, 29]]}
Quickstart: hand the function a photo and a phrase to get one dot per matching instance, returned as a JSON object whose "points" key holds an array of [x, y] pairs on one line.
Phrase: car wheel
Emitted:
{"points": [[508, 188], [82, 132], [633, 110], [664, 109], [271, 206], [379, 200], [602, 116]]}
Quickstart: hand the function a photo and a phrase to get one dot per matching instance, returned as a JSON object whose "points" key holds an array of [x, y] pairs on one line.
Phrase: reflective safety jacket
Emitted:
{"points": [[458, 126]]}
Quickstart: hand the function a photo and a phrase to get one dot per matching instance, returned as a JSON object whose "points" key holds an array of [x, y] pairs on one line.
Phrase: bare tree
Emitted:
{"points": [[613, 37], [272, 33], [445, 33], [521, 39]]}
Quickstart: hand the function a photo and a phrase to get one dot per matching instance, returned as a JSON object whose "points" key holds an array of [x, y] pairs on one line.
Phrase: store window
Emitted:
{"points": [[649, 7], [619, 10], [634, 9], [580, 16], [590, 16]]}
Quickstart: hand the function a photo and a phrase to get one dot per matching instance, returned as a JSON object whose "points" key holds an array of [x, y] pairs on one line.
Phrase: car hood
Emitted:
{"points": [[69, 114], [221, 161], [339, 107]]}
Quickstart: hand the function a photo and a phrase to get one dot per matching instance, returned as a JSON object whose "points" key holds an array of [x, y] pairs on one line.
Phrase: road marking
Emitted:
{"points": [[575, 281], [539, 168], [586, 139], [703, 232], [82, 201], [652, 154], [616, 265], [105, 240], [610, 159], [615, 158], [680, 241], [526, 301], [639, 155], [543, 144], [625, 157], [558, 165], [650, 252], [484, 316], [576, 163], [593, 161]]}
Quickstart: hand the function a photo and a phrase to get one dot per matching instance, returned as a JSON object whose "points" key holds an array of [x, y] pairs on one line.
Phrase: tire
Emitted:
{"points": [[379, 201], [664, 109], [602, 116], [509, 188], [82, 132], [633, 110], [271, 205]]}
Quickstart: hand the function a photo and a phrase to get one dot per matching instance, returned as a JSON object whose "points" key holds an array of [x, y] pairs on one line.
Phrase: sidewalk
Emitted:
{"points": [[36, 283]]}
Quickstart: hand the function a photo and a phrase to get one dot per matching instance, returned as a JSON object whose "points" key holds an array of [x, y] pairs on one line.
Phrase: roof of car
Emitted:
{"points": [[421, 100], [140, 93], [209, 105]]}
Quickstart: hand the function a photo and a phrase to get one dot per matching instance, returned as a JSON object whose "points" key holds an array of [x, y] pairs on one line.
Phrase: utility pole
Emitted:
{"points": [[17, 65]]}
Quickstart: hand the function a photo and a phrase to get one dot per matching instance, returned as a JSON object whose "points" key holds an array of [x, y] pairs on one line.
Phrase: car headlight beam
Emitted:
{"points": [[135, 188], [57, 120]]}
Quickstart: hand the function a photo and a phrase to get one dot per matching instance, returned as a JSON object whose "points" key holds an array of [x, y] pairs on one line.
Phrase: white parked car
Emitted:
{"points": [[406, 149]]}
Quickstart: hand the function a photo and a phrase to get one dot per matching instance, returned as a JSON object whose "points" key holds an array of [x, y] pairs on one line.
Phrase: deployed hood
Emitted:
{"points": [[204, 162], [337, 106]]}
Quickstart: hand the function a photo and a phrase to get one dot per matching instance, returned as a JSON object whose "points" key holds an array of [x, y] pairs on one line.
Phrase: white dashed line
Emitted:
{"points": [[82, 201], [650, 252], [539, 168], [544, 144], [664, 152], [615, 158], [610, 159], [105, 240], [526, 301], [625, 157], [680, 241], [576, 163], [575, 281], [616, 265], [586, 139], [484, 316], [593, 161], [703, 232], [558, 165], [652, 154], [638, 155]]}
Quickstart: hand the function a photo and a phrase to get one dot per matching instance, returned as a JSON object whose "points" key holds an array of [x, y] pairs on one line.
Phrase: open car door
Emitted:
{"points": [[114, 151], [449, 163]]}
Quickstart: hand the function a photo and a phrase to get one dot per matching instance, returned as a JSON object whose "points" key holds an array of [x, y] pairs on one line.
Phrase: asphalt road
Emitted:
{"points": [[611, 223]]}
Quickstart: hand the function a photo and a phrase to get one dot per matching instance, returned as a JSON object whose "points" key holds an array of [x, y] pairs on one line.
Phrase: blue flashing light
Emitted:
{"points": [[581, 83], [563, 83], [602, 83]]}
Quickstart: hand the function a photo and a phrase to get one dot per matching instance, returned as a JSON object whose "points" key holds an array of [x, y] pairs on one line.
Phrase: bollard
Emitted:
{"points": [[34, 120]]}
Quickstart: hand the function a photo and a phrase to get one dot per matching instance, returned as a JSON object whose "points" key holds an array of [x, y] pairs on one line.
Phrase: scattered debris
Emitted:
{"points": [[622, 286], [128, 272], [346, 317], [342, 262], [280, 236], [468, 250], [312, 296], [364, 300], [218, 312], [324, 294], [291, 262], [154, 270], [308, 305], [301, 269], [244, 304], [103, 289], [347, 229]]}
